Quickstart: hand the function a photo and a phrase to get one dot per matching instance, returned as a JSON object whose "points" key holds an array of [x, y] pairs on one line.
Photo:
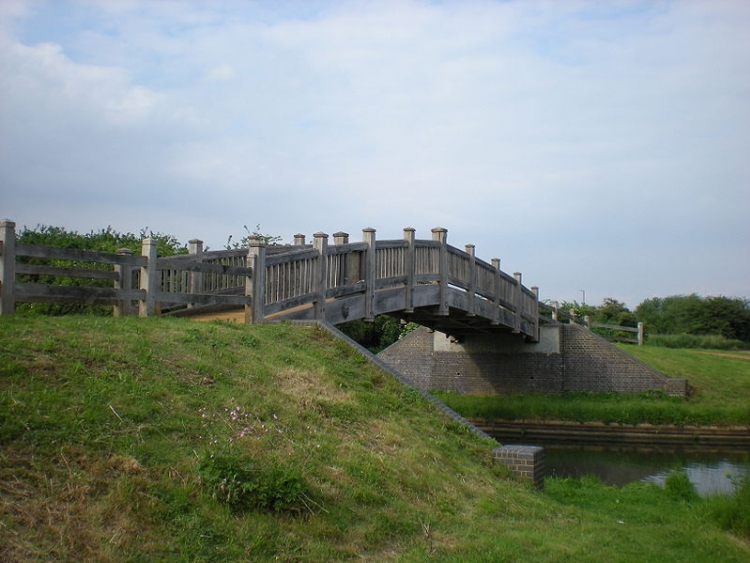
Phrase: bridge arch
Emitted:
{"points": [[426, 281]]}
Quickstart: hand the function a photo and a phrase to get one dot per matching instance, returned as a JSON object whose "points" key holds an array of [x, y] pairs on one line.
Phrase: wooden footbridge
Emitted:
{"points": [[426, 281]]}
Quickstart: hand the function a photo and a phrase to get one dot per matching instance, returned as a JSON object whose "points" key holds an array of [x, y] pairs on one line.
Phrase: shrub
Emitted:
{"points": [[712, 342], [679, 487], [234, 481], [733, 512]]}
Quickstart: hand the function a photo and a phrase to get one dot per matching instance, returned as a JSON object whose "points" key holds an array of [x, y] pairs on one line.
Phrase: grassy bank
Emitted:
{"points": [[720, 383], [166, 440]]}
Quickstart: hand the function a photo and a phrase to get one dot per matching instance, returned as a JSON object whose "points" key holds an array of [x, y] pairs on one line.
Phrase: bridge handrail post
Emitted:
{"points": [[498, 284], [195, 279], [320, 243], [123, 282], [7, 267], [440, 235], [299, 239], [471, 290], [640, 334], [149, 278], [517, 302], [368, 236], [255, 284], [411, 265], [535, 312]]}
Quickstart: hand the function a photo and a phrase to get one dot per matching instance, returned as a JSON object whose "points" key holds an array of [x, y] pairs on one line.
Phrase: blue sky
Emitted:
{"points": [[597, 146]]}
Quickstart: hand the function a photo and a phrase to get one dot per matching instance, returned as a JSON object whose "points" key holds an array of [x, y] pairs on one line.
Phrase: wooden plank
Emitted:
{"points": [[274, 308], [294, 256], [204, 267], [343, 290], [389, 282], [44, 293], [348, 248], [201, 298], [41, 270], [613, 327], [56, 253]]}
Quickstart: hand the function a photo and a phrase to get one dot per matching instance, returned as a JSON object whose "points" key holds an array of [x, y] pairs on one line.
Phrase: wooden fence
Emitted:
{"points": [[371, 277], [608, 331]]}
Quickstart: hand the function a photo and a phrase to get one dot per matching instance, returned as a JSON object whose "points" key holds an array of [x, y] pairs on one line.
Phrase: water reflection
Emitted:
{"points": [[710, 473]]}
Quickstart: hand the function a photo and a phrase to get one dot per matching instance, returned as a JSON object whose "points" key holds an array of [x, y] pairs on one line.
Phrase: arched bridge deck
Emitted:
{"points": [[425, 281]]}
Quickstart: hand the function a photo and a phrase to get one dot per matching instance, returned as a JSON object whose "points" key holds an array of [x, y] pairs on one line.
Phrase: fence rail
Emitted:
{"points": [[552, 312], [372, 276]]}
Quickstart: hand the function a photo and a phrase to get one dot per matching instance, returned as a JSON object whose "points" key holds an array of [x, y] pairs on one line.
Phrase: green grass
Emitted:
{"points": [[127, 440], [720, 383]]}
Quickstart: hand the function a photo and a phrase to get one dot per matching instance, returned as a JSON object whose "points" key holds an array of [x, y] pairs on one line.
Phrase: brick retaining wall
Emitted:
{"points": [[568, 358]]}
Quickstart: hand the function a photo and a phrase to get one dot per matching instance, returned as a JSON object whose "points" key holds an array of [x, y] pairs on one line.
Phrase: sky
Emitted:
{"points": [[601, 148]]}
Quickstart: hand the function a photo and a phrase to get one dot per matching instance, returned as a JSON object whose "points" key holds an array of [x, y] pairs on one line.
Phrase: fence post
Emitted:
{"points": [[517, 302], [587, 321], [441, 235], [411, 265], [255, 284], [368, 236], [124, 282], [640, 334], [555, 310], [149, 279], [195, 283], [299, 239], [496, 291], [320, 243], [471, 251], [7, 267]]}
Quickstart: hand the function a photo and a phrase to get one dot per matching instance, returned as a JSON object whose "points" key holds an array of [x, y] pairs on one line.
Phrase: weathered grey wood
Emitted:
{"points": [[441, 235], [612, 327], [43, 270], [302, 254], [342, 290], [255, 285], [149, 279], [56, 253], [123, 282], [342, 281], [368, 235], [195, 280], [200, 298], [409, 237], [320, 243], [291, 303], [44, 293], [7, 267]]}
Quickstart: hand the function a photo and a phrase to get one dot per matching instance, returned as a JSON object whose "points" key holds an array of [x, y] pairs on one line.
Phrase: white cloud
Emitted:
{"points": [[551, 134]]}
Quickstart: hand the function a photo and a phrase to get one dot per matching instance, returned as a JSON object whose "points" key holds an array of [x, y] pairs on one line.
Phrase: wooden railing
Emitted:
{"points": [[371, 276], [552, 313]]}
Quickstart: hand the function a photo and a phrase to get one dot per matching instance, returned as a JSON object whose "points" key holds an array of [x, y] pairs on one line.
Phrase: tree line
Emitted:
{"points": [[725, 317]]}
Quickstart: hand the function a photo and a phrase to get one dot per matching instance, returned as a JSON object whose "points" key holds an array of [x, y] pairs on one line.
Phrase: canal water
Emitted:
{"points": [[710, 472]]}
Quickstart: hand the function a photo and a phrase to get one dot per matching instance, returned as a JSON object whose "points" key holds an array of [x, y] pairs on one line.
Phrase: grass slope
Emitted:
{"points": [[128, 439]]}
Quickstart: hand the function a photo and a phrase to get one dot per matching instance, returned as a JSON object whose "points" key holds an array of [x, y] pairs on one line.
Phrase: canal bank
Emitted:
{"points": [[641, 436]]}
